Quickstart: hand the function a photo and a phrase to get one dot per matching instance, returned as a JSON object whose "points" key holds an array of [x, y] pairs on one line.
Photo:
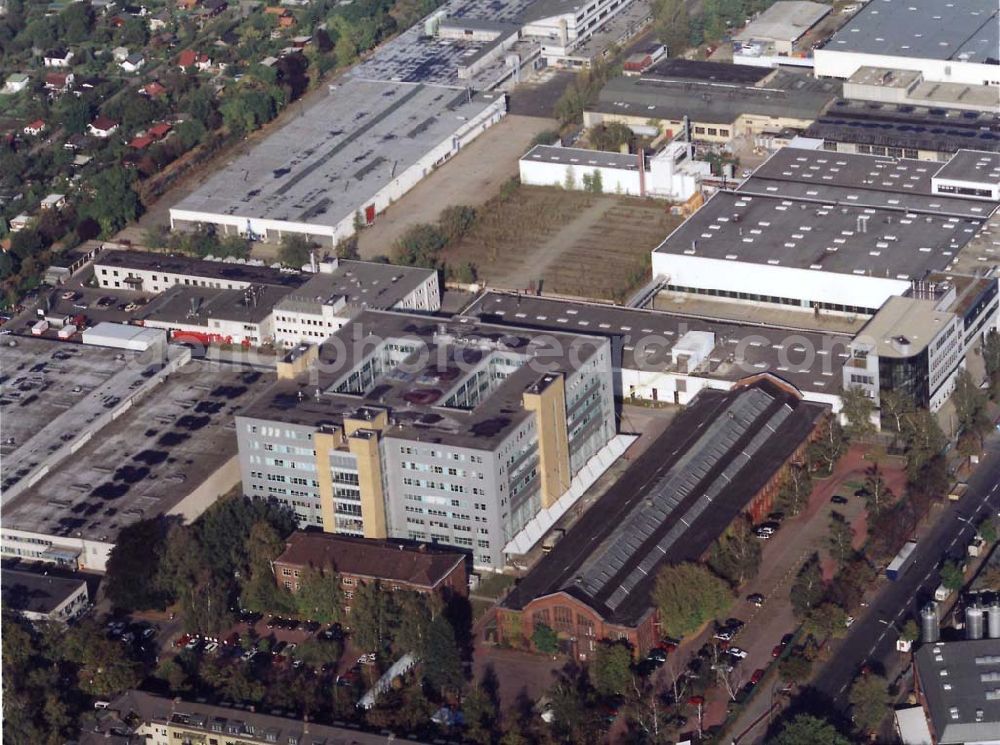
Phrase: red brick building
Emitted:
{"points": [[725, 456], [395, 565]]}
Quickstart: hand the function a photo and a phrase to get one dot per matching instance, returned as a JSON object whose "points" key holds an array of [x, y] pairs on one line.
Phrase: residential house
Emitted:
{"points": [[187, 4], [35, 128], [395, 565], [119, 54], [58, 82], [136, 11], [190, 58], [159, 21], [214, 7], [16, 83], [20, 222], [54, 202], [133, 63], [285, 17], [140, 142], [102, 127], [159, 130], [153, 90], [58, 58]]}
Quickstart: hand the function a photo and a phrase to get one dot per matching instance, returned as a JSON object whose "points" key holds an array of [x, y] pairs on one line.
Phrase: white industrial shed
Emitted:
{"points": [[347, 158], [783, 24], [123, 336], [947, 42]]}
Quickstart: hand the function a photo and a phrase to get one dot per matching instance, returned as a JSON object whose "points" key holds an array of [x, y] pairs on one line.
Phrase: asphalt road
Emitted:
{"points": [[873, 637]]}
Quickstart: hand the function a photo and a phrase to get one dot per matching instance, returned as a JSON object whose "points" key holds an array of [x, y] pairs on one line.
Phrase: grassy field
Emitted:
{"points": [[573, 243]]}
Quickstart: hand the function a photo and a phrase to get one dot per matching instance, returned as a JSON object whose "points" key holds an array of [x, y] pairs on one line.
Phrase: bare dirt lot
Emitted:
{"points": [[560, 239], [471, 177]]}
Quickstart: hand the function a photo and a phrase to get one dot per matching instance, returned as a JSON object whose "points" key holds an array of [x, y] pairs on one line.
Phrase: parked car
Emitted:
{"points": [[657, 655], [724, 635], [737, 652], [757, 675], [755, 599], [838, 499], [211, 647]]}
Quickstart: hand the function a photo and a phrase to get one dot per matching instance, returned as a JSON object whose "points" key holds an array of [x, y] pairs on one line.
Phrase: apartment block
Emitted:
{"points": [[454, 432]]}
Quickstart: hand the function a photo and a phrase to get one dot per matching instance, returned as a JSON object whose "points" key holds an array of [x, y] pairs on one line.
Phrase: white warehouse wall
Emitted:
{"points": [[842, 64], [781, 281]]}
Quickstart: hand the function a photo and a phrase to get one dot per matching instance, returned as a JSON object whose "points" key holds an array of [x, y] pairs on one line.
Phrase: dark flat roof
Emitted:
{"points": [[674, 501], [907, 126], [35, 592], [761, 349], [972, 165], [953, 709], [784, 94], [181, 264], [198, 305], [679, 68], [416, 391]]}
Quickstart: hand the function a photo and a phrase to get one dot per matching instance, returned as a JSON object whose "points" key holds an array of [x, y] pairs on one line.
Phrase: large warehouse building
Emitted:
{"points": [[343, 162], [679, 496], [829, 231], [948, 42], [457, 432]]}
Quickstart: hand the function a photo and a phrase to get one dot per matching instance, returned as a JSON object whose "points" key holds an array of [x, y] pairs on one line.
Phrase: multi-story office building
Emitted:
{"points": [[456, 432]]}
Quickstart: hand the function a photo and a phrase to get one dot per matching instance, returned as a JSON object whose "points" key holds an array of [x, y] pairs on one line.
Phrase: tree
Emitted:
{"points": [[443, 662], [415, 616], [481, 716], [132, 581], [952, 576], [878, 496], [455, 221], [923, 439], [347, 248], [870, 701], [464, 272], [806, 729], [857, 410], [112, 202], [611, 671], [988, 530], [545, 639], [260, 591], [672, 25], [611, 136], [826, 621], [295, 250], [840, 538], [796, 489], [807, 589], [991, 360], [319, 597], [795, 668], [420, 245], [104, 670], [735, 555], [826, 449], [910, 631], [970, 406], [569, 180], [372, 617], [687, 595], [895, 405]]}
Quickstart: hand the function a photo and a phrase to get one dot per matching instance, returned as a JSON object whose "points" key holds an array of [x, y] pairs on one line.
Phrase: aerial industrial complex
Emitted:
{"points": [[442, 466]]}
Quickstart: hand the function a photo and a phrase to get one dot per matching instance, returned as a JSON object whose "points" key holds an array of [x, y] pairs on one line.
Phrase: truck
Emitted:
{"points": [[902, 561], [39, 328], [67, 332], [957, 491]]}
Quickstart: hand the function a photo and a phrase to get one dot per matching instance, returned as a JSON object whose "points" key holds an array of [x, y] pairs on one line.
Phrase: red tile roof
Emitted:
{"points": [[159, 131], [141, 143], [104, 123], [37, 124], [385, 560], [154, 90]]}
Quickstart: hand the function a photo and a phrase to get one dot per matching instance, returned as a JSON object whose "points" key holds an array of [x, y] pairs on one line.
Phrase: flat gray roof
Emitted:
{"points": [[786, 20], [50, 391], [176, 263], [199, 305], [582, 157], [785, 94], [363, 284], [36, 592], [416, 392], [964, 30], [740, 349], [968, 687], [907, 126], [834, 212], [342, 151], [145, 462], [972, 165]]}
